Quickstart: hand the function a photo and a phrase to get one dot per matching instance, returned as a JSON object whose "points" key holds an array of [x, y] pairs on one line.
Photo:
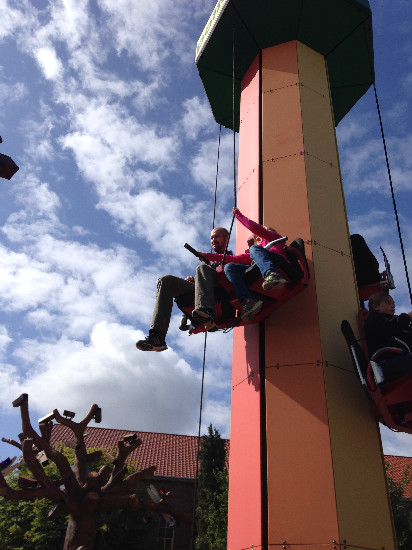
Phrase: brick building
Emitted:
{"points": [[396, 469], [175, 459]]}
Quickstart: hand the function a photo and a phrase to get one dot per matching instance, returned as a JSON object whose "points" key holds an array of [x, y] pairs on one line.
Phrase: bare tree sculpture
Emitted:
{"points": [[80, 493]]}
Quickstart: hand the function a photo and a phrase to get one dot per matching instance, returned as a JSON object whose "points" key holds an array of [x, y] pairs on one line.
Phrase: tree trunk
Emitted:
{"points": [[82, 526]]}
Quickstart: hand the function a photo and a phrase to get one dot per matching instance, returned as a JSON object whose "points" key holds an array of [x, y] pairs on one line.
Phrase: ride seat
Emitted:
{"points": [[396, 389], [392, 398]]}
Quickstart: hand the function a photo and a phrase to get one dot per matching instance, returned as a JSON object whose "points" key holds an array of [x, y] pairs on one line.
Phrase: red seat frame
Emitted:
{"points": [[393, 399]]}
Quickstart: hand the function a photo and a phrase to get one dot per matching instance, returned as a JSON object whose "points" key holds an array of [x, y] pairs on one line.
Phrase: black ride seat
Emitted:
{"points": [[366, 265], [368, 277], [392, 398]]}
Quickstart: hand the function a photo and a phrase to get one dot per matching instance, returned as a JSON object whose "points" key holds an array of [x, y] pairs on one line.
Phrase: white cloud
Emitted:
{"points": [[109, 145], [158, 392], [12, 19], [204, 165], [197, 117], [11, 93], [49, 63], [70, 21], [24, 284], [145, 30], [370, 224], [38, 134], [363, 158], [395, 443], [65, 287], [350, 130], [39, 213], [161, 219], [217, 414], [5, 339]]}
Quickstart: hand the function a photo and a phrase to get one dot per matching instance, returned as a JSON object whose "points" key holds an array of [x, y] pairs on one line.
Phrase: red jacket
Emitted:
{"points": [[266, 234]]}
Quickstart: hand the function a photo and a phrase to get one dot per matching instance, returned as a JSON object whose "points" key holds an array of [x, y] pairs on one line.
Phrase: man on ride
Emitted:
{"points": [[202, 286]]}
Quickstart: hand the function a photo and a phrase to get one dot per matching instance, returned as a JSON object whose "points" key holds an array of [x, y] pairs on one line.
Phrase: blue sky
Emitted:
{"points": [[104, 112]]}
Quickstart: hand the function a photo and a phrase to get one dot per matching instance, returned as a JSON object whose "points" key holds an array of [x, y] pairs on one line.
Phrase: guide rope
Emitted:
{"points": [[223, 259], [234, 140], [217, 173], [393, 194], [198, 444]]}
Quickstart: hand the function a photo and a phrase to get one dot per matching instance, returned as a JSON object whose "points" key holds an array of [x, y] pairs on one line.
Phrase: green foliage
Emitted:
{"points": [[125, 530], [211, 509], [24, 525], [212, 457], [401, 509]]}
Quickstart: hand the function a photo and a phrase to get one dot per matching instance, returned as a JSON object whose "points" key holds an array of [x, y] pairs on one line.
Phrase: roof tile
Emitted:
{"points": [[396, 469], [173, 455]]}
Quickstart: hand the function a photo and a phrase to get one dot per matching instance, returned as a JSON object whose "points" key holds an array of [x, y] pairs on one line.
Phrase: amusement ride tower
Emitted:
{"points": [[306, 464]]}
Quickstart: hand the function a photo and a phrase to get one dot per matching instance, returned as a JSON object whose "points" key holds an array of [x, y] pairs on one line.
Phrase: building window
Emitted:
{"points": [[165, 536]]}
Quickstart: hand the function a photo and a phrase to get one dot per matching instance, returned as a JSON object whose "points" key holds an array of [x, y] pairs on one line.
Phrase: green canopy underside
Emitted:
{"points": [[341, 30]]}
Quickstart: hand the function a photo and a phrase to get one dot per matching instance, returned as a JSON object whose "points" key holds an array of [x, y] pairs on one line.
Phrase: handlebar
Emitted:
{"points": [[196, 253], [276, 241]]}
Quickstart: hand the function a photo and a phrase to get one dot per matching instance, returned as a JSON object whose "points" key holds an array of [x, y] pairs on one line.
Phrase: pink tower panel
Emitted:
{"points": [[245, 505]]}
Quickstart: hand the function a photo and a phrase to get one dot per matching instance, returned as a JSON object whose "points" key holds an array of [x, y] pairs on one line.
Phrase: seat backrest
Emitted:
{"points": [[356, 351], [299, 246], [297, 249], [366, 265]]}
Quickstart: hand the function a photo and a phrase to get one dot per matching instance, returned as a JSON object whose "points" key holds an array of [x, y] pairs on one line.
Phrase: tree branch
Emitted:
{"points": [[92, 412], [27, 483], [81, 456], [45, 429], [42, 444], [21, 494], [132, 502], [27, 428], [116, 479], [131, 481], [124, 448], [104, 474], [11, 442], [37, 470], [80, 463]]}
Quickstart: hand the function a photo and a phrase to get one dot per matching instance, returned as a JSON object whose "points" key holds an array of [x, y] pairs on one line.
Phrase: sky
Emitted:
{"points": [[105, 114]]}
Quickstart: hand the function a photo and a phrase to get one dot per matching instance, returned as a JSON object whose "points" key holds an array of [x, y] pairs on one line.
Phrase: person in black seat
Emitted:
{"points": [[382, 327]]}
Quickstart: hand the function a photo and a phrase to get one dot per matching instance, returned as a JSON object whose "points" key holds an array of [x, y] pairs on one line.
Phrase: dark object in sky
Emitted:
{"points": [[5, 463], [7, 167]]}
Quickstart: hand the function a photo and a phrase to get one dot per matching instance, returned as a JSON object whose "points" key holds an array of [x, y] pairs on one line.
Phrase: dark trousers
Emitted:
{"points": [[169, 287], [396, 367]]}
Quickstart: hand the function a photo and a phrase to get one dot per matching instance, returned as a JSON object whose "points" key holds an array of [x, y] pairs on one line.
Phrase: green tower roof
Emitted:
{"points": [[341, 30]]}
